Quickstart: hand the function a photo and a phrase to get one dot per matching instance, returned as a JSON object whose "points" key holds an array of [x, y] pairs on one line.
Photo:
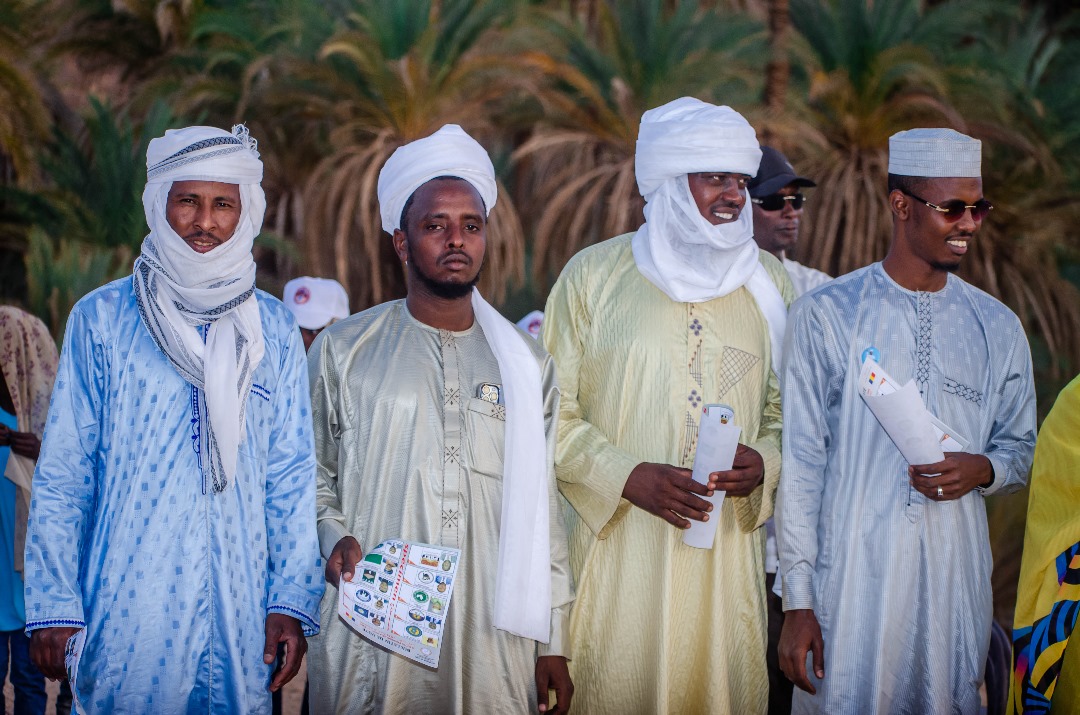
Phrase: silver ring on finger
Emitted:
{"points": [[940, 492]]}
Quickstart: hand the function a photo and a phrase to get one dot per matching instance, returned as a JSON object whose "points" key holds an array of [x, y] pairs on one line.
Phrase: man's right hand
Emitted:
{"points": [[668, 492], [342, 562], [47, 648], [801, 634]]}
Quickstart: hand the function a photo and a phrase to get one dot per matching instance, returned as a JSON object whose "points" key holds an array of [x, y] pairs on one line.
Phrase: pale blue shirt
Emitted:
{"points": [[171, 581], [900, 584]]}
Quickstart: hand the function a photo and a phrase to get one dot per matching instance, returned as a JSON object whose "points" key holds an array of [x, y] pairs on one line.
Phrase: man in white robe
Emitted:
{"points": [[885, 564], [435, 423]]}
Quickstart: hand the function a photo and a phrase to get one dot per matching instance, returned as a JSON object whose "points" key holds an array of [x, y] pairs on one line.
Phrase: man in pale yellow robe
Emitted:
{"points": [[646, 329], [435, 423]]}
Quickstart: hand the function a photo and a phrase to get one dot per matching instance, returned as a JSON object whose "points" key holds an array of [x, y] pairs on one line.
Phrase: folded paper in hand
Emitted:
{"points": [[718, 439], [920, 436]]}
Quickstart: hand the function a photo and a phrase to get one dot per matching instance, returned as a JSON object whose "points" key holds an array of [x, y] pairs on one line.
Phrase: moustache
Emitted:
{"points": [[201, 234]]}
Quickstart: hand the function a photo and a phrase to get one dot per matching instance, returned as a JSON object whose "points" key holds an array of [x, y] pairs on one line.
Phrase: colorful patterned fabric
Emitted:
{"points": [[28, 359], [1045, 671]]}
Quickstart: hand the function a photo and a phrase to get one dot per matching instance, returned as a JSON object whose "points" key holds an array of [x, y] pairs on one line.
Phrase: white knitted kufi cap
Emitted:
{"points": [[935, 153]]}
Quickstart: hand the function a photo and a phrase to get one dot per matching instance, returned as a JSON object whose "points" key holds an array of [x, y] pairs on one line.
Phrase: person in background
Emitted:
{"points": [[315, 303], [532, 323], [778, 206], [28, 360]]}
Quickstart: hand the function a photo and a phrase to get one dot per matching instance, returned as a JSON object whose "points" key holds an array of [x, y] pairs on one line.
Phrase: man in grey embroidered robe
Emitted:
{"points": [[886, 566], [413, 403]]}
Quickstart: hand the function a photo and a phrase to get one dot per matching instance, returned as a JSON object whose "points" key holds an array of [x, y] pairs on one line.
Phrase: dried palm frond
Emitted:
{"points": [[398, 73], [578, 184]]}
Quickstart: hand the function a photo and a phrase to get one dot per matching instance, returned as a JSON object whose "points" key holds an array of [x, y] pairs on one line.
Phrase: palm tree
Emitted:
{"points": [[91, 223], [24, 120], [884, 67], [394, 73], [579, 159]]}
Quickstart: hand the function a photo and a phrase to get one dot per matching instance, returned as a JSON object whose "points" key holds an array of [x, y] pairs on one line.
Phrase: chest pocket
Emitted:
{"points": [[485, 430], [958, 389]]}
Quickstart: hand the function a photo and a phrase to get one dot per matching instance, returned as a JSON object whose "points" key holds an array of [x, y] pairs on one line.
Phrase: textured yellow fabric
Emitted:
{"points": [[1042, 628], [660, 627]]}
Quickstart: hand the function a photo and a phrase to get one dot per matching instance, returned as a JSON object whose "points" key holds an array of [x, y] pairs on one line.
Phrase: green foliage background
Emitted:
{"points": [[555, 90]]}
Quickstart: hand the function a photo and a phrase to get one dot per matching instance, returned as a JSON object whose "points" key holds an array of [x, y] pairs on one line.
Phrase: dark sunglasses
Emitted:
{"points": [[954, 210], [775, 202]]}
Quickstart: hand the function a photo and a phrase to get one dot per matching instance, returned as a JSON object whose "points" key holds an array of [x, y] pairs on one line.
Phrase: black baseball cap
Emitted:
{"points": [[774, 173]]}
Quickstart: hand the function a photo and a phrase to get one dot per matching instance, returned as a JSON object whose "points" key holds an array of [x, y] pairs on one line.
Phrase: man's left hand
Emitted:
{"points": [[956, 475], [746, 473], [26, 444], [552, 674], [284, 629]]}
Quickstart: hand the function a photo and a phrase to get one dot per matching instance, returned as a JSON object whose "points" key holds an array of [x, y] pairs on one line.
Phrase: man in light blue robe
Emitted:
{"points": [[172, 524], [886, 566]]}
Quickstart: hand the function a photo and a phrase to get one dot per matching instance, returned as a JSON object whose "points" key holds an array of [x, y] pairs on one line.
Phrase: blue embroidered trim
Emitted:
{"points": [[260, 391], [195, 431], [311, 626], [196, 435], [54, 622]]}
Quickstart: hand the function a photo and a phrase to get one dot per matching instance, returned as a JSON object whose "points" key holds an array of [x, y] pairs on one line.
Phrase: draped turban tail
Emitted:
{"points": [[677, 249], [523, 580], [179, 290]]}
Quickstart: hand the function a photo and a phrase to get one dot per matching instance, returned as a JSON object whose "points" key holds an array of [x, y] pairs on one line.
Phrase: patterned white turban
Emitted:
{"points": [[179, 290]]}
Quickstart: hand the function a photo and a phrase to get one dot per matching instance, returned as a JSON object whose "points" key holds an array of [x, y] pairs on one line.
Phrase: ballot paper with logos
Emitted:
{"points": [[399, 598], [718, 438], [920, 436]]}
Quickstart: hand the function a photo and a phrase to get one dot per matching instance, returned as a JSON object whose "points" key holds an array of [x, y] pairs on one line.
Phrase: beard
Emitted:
{"points": [[447, 290]]}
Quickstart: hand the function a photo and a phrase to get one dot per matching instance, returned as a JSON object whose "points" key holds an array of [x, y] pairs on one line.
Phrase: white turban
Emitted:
{"points": [[447, 152], [523, 581], [179, 290], [688, 136], [678, 249]]}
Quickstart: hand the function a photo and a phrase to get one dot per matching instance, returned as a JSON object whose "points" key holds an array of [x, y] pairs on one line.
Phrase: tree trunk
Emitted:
{"points": [[777, 70]]}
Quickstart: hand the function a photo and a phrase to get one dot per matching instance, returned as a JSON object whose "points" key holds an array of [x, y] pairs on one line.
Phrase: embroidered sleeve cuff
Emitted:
{"points": [[307, 623], [798, 590], [331, 532], [36, 625]]}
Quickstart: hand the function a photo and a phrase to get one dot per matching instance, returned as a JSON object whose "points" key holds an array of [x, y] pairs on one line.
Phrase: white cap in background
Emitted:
{"points": [[531, 323], [316, 302]]}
